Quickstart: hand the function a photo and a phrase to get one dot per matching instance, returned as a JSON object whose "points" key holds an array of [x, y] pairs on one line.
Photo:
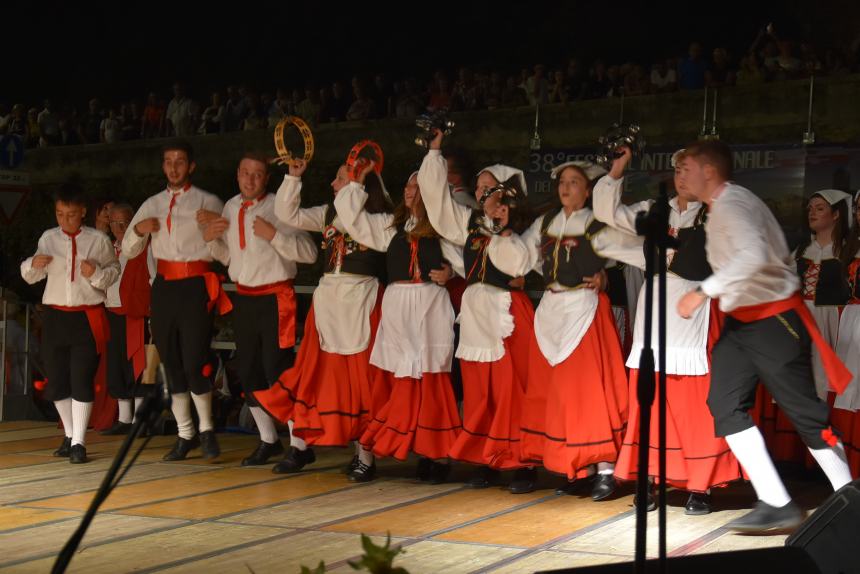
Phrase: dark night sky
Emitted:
{"points": [[124, 49]]}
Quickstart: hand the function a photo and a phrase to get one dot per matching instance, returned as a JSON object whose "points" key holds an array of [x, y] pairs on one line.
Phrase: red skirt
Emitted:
{"points": [[493, 396], [420, 416], [330, 398], [576, 411]]}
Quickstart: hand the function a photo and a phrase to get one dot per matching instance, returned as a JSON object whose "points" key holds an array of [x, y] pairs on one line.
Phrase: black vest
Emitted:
{"points": [[569, 258], [690, 261], [854, 278], [399, 257], [617, 288], [357, 259], [479, 267], [832, 288]]}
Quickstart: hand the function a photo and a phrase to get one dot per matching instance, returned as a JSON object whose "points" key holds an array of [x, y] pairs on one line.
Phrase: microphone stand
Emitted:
{"points": [[654, 226]]}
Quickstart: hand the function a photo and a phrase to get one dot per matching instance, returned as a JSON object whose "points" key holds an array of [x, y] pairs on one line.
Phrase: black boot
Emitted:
{"points": [[524, 481], [262, 453], [78, 454], [118, 428], [698, 504], [439, 472], [209, 445], [181, 448], [295, 460], [353, 464], [65, 448], [604, 486], [765, 518], [484, 477], [650, 499], [363, 472], [424, 469]]}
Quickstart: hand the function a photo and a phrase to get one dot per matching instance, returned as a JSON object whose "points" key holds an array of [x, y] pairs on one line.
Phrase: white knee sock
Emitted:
{"points": [[180, 404], [834, 464], [748, 446], [365, 456], [606, 468], [203, 404], [137, 402], [80, 419], [295, 441], [265, 425], [64, 409], [125, 412]]}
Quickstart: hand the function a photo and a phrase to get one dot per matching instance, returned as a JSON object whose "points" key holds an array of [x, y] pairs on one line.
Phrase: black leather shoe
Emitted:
{"points": [[363, 472], [650, 500], [209, 445], [484, 477], [604, 486], [295, 460], [181, 448], [78, 454], [65, 448], [424, 469], [767, 518], [118, 428], [698, 504], [439, 472], [262, 453], [524, 481], [353, 464]]}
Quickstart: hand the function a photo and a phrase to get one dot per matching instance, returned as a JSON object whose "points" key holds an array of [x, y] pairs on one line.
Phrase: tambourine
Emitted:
{"points": [[426, 123], [616, 137], [285, 156], [510, 196], [354, 163]]}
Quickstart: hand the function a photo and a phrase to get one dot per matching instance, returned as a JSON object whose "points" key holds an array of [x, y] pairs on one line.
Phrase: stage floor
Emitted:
{"points": [[197, 516]]}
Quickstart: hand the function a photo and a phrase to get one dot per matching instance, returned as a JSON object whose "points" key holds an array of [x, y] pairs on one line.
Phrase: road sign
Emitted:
{"points": [[11, 151]]}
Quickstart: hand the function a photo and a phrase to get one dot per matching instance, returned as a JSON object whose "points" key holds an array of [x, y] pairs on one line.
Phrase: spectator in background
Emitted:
{"points": [[558, 88], [513, 96], [749, 72], [383, 97], [132, 122], [17, 123], [362, 106], [280, 108], [465, 94], [636, 82], [235, 110], [92, 122], [810, 63], [598, 83], [495, 91], [787, 66], [663, 77], [537, 86], [309, 108], [615, 81], [836, 63], [5, 116], [691, 70], [327, 113], [49, 125], [213, 116], [33, 133], [266, 103], [110, 129], [340, 101], [153, 117], [409, 103], [719, 74], [181, 114], [575, 80], [440, 92], [255, 119]]}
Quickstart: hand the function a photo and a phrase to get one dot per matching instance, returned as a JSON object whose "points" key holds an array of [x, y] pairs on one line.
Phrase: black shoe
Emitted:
{"points": [[650, 500], [295, 460], [262, 453], [424, 469], [118, 428], [143, 432], [209, 445], [524, 481], [767, 518], [604, 486], [78, 454], [698, 504], [363, 473], [483, 478], [439, 472], [353, 464], [181, 448], [65, 448]]}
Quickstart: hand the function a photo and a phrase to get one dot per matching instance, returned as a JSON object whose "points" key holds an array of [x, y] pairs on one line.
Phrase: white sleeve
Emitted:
{"points": [[607, 206], [107, 265], [532, 239], [369, 229], [510, 255], [611, 243], [448, 218], [132, 243], [213, 203], [294, 244], [288, 210], [453, 254], [219, 251], [28, 272]]}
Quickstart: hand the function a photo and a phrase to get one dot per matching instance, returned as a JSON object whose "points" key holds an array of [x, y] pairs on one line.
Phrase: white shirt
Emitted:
{"points": [[92, 245], [113, 296], [184, 241], [261, 262], [747, 251]]}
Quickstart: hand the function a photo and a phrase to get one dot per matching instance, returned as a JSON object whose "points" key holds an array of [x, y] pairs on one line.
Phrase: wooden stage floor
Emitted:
{"points": [[198, 516]]}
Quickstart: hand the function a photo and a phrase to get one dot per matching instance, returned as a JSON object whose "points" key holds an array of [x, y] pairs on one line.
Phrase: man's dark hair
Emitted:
{"points": [[179, 145], [71, 193], [256, 156], [713, 152]]}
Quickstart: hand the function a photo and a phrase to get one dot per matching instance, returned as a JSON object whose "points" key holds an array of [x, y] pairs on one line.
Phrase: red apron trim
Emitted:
{"points": [[286, 297], [175, 270], [838, 375]]}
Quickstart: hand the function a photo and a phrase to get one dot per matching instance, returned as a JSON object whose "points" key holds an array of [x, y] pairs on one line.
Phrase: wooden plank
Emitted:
{"points": [[18, 425], [28, 433], [49, 443], [12, 517], [549, 560], [19, 460], [431, 556]]}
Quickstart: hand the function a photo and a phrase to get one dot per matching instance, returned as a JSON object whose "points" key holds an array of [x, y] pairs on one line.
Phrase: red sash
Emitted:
{"points": [[286, 297], [838, 375], [134, 292], [175, 270]]}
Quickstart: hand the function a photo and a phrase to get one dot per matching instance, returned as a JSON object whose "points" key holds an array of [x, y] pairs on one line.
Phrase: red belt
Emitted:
{"points": [[97, 319], [838, 375], [286, 297], [135, 349], [175, 270]]}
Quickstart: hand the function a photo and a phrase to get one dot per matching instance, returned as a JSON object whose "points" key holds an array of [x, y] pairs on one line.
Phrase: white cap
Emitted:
{"points": [[832, 196], [592, 170], [503, 173]]}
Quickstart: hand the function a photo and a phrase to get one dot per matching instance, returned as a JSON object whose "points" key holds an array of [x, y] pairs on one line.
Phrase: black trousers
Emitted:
{"points": [[182, 332], [777, 351], [120, 371], [260, 359], [70, 355]]}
